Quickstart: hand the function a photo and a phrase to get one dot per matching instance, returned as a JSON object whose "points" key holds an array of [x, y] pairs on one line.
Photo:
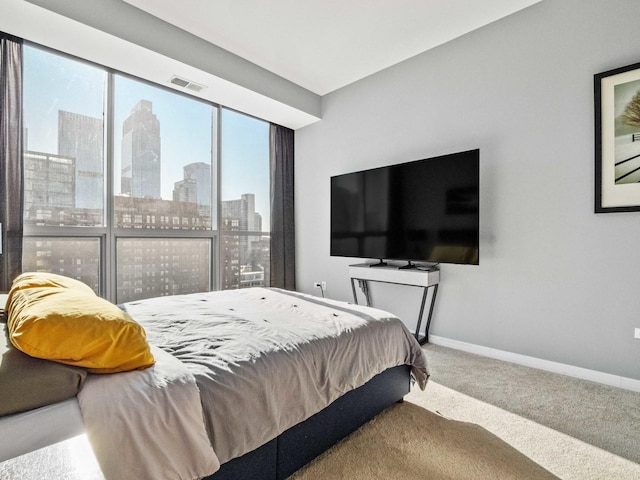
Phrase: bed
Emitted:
{"points": [[279, 377]]}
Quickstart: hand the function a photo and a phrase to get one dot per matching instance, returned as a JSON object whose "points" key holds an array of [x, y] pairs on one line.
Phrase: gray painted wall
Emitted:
{"points": [[555, 281]]}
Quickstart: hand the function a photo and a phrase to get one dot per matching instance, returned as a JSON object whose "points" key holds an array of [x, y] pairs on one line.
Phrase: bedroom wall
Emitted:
{"points": [[555, 281]]}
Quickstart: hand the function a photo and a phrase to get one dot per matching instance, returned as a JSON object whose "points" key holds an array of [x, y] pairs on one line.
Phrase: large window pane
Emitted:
{"points": [[77, 258], [154, 267], [163, 183], [245, 200], [64, 146], [164, 152], [253, 271]]}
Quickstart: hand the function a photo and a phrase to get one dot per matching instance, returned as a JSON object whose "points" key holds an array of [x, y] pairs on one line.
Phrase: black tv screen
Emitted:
{"points": [[424, 211]]}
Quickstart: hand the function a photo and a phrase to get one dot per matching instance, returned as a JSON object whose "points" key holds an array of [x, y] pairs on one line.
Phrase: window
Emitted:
{"points": [[78, 257], [136, 215], [245, 201], [64, 148], [150, 274], [164, 156]]}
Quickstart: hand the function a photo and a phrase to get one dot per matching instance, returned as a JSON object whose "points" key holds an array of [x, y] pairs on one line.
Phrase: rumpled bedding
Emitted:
{"points": [[266, 359], [148, 424]]}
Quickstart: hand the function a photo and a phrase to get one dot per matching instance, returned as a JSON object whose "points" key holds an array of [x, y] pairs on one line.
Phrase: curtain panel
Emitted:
{"points": [[282, 266], [11, 146]]}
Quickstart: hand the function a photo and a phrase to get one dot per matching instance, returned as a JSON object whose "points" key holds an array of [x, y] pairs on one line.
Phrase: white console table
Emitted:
{"points": [[427, 279]]}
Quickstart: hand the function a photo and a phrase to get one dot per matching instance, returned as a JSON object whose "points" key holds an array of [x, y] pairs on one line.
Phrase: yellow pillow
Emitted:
{"points": [[75, 327], [46, 279]]}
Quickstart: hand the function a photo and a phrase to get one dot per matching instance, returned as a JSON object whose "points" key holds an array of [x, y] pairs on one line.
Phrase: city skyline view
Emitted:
{"points": [[145, 180], [188, 127]]}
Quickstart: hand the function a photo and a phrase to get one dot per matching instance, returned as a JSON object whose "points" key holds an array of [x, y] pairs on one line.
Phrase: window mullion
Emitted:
{"points": [[108, 261], [216, 282]]}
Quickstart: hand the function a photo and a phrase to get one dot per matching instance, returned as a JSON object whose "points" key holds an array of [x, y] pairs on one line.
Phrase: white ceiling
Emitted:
{"points": [[259, 48], [323, 45]]}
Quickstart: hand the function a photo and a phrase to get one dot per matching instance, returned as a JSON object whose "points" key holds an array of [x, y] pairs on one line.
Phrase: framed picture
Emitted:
{"points": [[617, 140]]}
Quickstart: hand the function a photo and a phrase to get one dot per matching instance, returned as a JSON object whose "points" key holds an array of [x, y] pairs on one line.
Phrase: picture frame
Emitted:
{"points": [[617, 140]]}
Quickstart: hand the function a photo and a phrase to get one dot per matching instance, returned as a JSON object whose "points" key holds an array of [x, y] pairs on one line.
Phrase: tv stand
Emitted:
{"points": [[408, 266], [426, 279], [381, 263]]}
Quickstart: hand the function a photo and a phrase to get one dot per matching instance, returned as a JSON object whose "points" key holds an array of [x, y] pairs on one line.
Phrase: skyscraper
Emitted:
{"points": [[201, 173], [243, 211], [81, 137], [186, 191], [49, 181], [140, 175]]}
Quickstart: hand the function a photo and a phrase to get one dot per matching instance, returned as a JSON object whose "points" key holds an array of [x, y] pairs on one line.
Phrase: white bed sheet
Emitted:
{"points": [[35, 429]]}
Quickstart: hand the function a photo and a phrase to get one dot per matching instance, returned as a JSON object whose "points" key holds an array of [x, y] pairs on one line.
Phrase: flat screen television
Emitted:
{"points": [[420, 211]]}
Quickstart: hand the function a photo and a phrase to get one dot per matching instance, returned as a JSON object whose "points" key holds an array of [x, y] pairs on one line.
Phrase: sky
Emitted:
{"points": [[188, 126]]}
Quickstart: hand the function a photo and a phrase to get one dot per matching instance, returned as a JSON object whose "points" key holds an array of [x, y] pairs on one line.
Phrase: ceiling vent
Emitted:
{"points": [[188, 84]]}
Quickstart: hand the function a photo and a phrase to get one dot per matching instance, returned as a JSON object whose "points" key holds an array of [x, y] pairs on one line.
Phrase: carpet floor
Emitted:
{"points": [[481, 418], [408, 442]]}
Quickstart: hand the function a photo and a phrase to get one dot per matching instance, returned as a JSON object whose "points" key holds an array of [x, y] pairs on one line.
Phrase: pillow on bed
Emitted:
{"points": [[76, 327], [46, 279]]}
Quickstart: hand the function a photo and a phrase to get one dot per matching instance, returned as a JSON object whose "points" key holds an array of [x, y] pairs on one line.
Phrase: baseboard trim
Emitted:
{"points": [[547, 365]]}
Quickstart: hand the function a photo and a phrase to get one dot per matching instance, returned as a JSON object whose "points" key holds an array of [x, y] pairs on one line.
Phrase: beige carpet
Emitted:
{"points": [[409, 442], [502, 421]]}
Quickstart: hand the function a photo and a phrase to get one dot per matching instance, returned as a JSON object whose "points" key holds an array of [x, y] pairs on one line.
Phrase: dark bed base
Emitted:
{"points": [[294, 448]]}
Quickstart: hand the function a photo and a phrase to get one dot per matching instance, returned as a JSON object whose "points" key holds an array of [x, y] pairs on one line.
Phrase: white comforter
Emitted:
{"points": [[254, 361], [266, 359], [148, 424]]}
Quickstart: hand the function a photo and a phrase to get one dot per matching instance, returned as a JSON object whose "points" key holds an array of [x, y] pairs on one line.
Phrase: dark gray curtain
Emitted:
{"points": [[11, 177], [283, 270]]}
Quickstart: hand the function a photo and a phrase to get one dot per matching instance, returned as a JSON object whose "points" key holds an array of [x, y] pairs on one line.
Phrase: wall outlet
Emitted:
{"points": [[636, 333], [322, 285]]}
